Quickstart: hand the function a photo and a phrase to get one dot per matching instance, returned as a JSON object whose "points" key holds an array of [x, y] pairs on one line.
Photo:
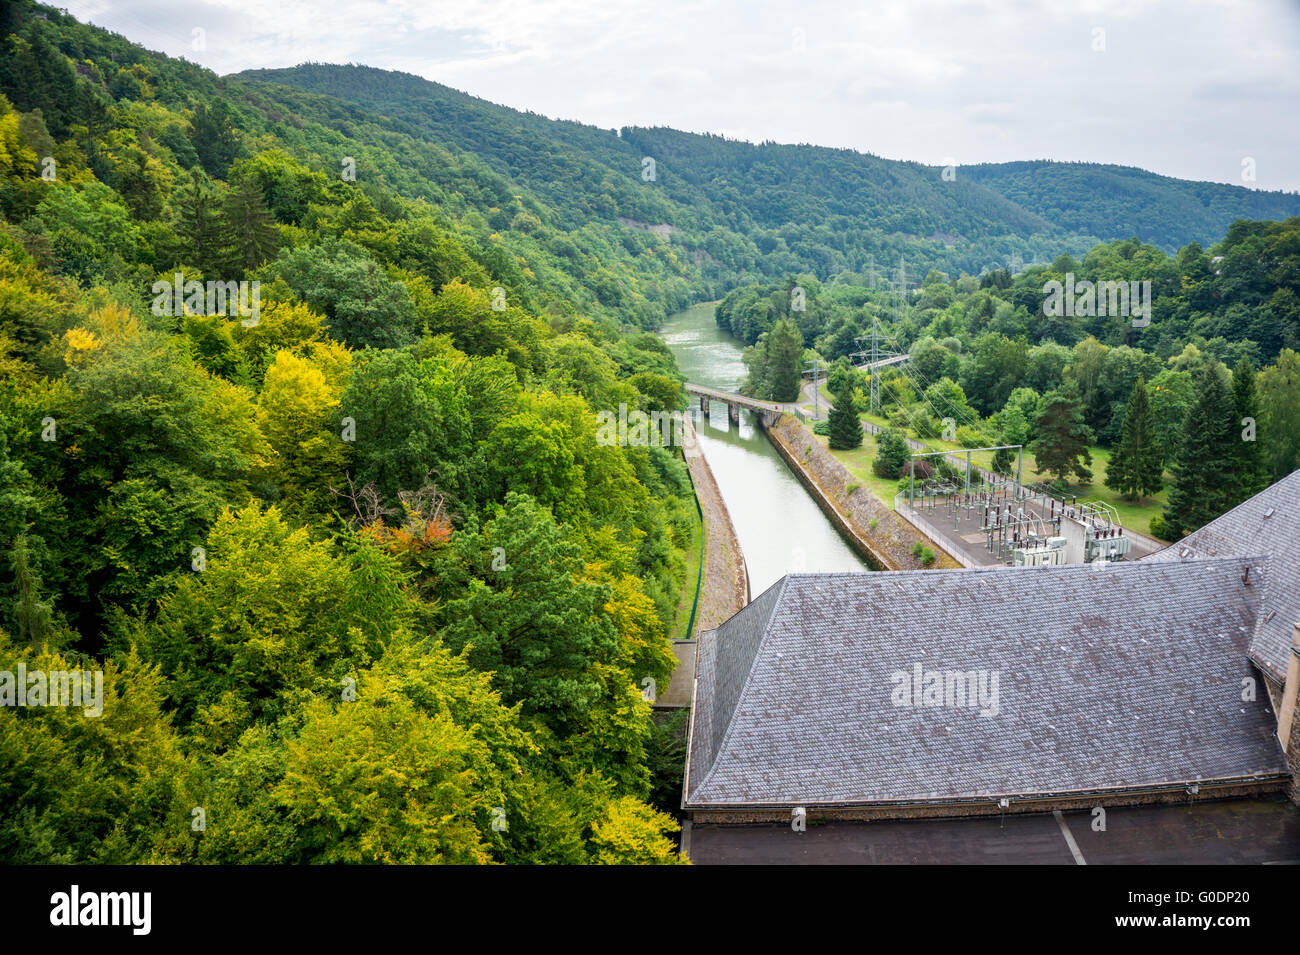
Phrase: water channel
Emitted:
{"points": [[781, 530]]}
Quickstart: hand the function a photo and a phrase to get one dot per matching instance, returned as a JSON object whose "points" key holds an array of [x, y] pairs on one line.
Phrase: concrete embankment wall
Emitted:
{"points": [[724, 590], [886, 547]]}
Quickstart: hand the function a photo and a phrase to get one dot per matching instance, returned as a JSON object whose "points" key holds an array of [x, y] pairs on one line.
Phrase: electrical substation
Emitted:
{"points": [[1014, 524]]}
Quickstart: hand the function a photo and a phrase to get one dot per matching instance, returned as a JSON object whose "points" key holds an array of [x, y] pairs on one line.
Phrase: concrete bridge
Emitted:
{"points": [[768, 412]]}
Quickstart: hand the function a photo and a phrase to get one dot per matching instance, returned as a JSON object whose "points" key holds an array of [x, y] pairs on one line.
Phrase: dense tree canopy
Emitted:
{"points": [[361, 582]]}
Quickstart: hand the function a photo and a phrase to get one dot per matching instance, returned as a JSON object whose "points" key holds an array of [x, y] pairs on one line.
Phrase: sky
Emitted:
{"points": [[1198, 89]]}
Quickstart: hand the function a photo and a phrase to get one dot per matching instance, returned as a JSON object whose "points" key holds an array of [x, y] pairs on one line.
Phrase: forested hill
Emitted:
{"points": [[1124, 202], [771, 208], [348, 536]]}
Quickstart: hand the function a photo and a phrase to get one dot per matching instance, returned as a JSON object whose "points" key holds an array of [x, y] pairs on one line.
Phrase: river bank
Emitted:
{"points": [[883, 538], [724, 587], [777, 527]]}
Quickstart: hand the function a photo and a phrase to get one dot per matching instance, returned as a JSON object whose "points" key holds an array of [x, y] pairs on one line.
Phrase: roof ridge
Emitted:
{"points": [[812, 734], [1253, 499]]}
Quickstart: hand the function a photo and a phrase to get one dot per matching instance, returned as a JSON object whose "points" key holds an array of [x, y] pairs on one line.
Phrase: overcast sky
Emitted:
{"points": [[1188, 88]]}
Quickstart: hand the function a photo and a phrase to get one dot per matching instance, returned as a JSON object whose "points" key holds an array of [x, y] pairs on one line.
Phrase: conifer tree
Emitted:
{"points": [[784, 355], [1252, 464], [1135, 468], [1204, 472], [1062, 445], [248, 230], [845, 426], [199, 228]]}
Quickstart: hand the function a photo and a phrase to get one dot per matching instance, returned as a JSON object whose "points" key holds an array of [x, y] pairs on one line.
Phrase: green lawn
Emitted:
{"points": [[1131, 514], [680, 628], [859, 461]]}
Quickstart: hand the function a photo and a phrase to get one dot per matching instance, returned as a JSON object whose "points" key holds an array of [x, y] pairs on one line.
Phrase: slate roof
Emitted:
{"points": [[1268, 523], [1108, 680]]}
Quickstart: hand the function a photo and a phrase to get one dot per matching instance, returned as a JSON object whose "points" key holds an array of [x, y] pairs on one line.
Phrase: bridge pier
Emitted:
{"points": [[765, 413]]}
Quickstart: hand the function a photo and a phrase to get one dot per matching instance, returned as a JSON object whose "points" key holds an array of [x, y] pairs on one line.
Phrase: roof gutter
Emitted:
{"points": [[958, 801]]}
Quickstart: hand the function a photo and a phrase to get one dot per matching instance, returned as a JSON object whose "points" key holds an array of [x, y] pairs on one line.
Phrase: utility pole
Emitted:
{"points": [[900, 297], [816, 362], [875, 371], [872, 357]]}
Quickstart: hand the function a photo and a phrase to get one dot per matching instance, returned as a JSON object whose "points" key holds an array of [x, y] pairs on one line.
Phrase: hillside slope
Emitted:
{"points": [[804, 207], [1117, 202]]}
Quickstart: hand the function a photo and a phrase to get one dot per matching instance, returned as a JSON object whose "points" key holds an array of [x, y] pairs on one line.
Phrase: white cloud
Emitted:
{"points": [[1181, 88]]}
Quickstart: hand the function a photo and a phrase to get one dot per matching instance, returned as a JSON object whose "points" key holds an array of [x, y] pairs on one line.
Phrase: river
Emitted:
{"points": [[781, 530]]}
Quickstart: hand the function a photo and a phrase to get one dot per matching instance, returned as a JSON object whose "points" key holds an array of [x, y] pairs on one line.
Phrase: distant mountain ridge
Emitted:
{"points": [[754, 188], [1128, 201]]}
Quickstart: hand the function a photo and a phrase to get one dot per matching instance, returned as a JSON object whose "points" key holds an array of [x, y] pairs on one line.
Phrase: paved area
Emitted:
{"points": [[681, 683], [960, 525], [970, 550], [1259, 831]]}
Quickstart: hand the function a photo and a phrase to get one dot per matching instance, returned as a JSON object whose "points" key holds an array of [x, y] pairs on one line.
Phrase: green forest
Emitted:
{"points": [[363, 583], [1216, 360]]}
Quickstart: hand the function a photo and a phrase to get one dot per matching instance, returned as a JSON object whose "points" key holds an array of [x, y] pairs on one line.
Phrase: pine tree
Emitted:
{"points": [[1252, 464], [1062, 445], [249, 231], [1204, 472], [35, 621], [212, 130], [199, 228], [1135, 468], [845, 426], [784, 360]]}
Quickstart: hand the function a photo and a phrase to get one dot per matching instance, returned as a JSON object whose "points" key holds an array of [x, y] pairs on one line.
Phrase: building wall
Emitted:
{"points": [[1275, 688], [990, 808], [1293, 760]]}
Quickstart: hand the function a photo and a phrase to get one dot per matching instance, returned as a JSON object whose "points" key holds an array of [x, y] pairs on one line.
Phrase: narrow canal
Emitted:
{"points": [[780, 529]]}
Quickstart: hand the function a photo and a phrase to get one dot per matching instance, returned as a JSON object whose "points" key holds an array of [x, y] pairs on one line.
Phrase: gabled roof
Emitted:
{"points": [[1268, 523], [1108, 680]]}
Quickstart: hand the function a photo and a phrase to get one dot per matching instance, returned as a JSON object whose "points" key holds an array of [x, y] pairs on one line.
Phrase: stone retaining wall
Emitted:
{"points": [[886, 547], [724, 590]]}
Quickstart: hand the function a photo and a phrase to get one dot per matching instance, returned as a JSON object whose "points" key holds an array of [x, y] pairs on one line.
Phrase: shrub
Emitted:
{"points": [[892, 453], [924, 469]]}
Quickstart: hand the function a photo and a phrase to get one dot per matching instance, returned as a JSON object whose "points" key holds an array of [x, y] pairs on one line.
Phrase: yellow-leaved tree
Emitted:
{"points": [[298, 414]]}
